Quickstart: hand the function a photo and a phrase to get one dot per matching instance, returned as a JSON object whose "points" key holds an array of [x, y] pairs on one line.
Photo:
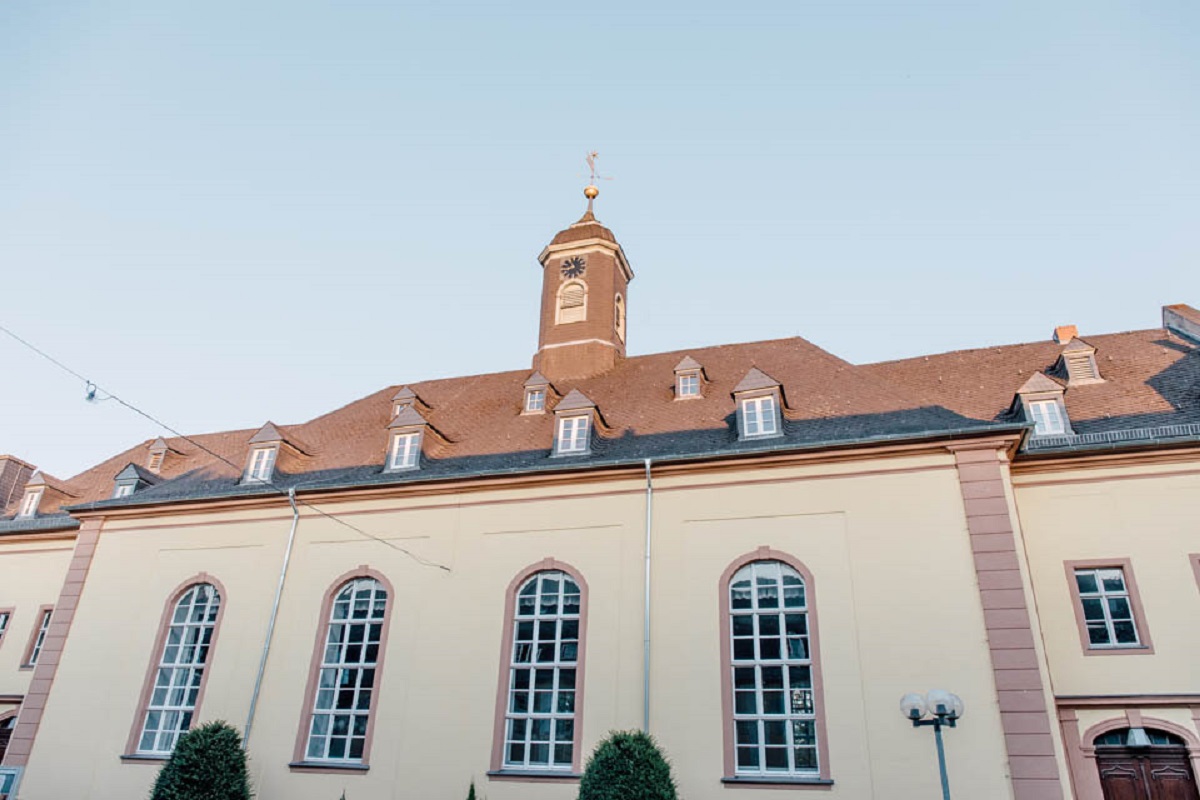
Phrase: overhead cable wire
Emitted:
{"points": [[92, 388]]}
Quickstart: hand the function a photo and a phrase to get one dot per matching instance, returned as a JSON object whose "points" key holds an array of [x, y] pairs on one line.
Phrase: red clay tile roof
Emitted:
{"points": [[1150, 378]]}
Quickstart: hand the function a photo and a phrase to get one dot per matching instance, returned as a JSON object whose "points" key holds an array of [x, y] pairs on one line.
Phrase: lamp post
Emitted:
{"points": [[942, 709]]}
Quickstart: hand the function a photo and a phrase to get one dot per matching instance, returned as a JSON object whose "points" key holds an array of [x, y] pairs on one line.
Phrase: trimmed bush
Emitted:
{"points": [[627, 766], [471, 793], [208, 764]]}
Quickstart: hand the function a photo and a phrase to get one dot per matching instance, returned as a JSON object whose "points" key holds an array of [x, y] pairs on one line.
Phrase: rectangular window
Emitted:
{"points": [[8, 781], [123, 490], [535, 400], [406, 450], [759, 417], [156, 461], [39, 638], [688, 385], [573, 434], [5, 616], [29, 504], [262, 463], [1047, 418], [1108, 612]]}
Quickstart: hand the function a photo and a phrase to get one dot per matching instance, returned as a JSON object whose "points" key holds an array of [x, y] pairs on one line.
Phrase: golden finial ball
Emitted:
{"points": [[591, 192]]}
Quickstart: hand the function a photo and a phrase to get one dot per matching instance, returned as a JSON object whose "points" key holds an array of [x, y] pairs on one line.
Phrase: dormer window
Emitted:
{"points": [[1078, 364], [156, 461], [759, 400], [123, 490], [29, 503], [573, 430], [262, 464], [760, 416], [689, 379], [1047, 418], [573, 435], [406, 451], [1041, 401], [535, 401]]}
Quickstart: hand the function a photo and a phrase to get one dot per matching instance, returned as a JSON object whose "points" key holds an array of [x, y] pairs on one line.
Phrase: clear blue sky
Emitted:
{"points": [[228, 211]]}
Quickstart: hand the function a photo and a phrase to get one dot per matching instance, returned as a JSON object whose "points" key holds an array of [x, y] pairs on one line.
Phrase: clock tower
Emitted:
{"points": [[585, 284]]}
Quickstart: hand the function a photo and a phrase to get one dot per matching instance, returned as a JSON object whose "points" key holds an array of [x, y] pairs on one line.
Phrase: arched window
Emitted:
{"points": [[544, 659], [177, 678], [572, 302], [619, 317], [348, 657], [772, 691]]}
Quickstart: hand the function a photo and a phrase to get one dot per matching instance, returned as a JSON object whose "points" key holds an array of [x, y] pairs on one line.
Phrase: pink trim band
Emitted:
{"points": [[1020, 684], [30, 718]]}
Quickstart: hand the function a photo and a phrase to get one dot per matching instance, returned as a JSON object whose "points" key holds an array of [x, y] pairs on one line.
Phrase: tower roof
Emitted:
{"points": [[588, 227]]}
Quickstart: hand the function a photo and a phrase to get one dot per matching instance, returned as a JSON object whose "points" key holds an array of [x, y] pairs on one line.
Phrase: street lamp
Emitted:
{"points": [[942, 708]]}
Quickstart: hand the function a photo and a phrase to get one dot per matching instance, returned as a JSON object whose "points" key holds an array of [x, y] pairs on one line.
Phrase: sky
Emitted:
{"points": [[229, 212]]}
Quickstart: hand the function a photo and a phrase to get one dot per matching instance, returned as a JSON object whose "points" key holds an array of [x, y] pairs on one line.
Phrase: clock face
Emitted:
{"points": [[573, 267]]}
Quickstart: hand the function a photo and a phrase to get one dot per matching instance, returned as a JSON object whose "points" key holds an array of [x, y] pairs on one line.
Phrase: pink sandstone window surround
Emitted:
{"points": [[771, 690], [173, 689], [539, 699], [1194, 558], [6, 615], [37, 637], [337, 724], [1106, 613]]}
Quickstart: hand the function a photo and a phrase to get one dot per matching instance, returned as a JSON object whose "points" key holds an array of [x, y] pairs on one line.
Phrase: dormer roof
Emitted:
{"points": [[1040, 382], [407, 418], [755, 379], [41, 479], [688, 363], [267, 434], [574, 401], [1078, 346], [536, 379], [405, 395], [134, 472]]}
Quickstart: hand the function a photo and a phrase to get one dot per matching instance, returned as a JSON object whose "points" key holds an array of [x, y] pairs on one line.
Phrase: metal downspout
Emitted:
{"points": [[646, 622], [262, 662]]}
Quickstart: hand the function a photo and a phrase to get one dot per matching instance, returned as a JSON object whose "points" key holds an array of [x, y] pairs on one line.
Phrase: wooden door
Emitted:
{"points": [[1153, 773]]}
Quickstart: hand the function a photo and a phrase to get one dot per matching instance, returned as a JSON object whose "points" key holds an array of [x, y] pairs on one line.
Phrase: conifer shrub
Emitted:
{"points": [[208, 763], [628, 765], [471, 792]]}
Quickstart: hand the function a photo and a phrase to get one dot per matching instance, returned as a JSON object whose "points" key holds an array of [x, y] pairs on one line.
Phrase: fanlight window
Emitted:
{"points": [[774, 708], [346, 682], [1120, 738], [540, 716], [572, 302], [180, 670]]}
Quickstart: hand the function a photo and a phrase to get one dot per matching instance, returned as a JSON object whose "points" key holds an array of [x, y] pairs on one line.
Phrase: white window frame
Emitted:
{"points": [[1104, 600], [40, 639], [5, 617], [784, 651], [543, 695], [406, 450], [124, 490], [262, 464], [687, 385], [30, 502], [156, 460], [348, 670], [759, 416], [535, 400], [1048, 417], [179, 671], [574, 434]]}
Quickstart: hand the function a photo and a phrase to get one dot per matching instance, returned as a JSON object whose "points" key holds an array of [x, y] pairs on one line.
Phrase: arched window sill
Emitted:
{"points": [[782, 780], [543, 776], [326, 766]]}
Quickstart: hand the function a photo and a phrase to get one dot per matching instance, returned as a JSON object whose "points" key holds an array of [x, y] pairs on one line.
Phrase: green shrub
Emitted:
{"points": [[208, 764], [627, 766], [471, 793]]}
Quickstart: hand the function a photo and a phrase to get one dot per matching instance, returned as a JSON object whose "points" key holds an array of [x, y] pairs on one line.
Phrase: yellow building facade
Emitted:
{"points": [[752, 551]]}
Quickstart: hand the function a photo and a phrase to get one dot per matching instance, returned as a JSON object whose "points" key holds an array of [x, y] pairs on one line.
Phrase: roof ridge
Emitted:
{"points": [[1047, 342]]}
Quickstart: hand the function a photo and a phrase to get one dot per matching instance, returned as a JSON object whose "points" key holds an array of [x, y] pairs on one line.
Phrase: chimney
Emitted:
{"points": [[1065, 333], [14, 474], [1182, 319]]}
